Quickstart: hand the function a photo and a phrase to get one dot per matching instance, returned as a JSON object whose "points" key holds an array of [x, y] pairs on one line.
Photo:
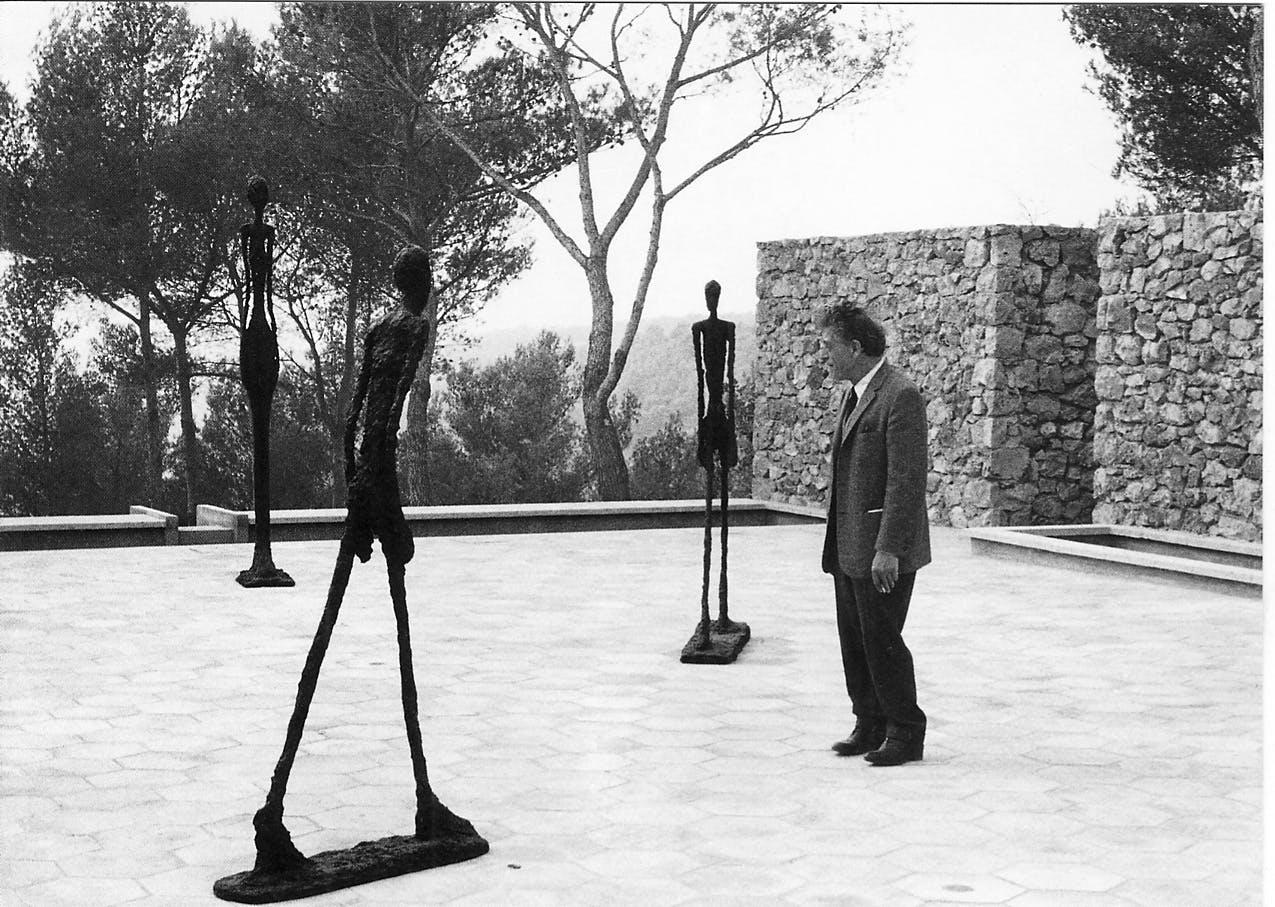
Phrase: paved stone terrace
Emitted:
{"points": [[1092, 740]]}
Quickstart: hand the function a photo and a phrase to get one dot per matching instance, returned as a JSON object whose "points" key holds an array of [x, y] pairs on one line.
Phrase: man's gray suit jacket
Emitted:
{"points": [[879, 469]]}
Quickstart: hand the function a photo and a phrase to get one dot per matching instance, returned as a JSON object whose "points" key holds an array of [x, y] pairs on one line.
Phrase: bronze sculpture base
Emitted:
{"points": [[723, 647], [257, 578], [334, 870]]}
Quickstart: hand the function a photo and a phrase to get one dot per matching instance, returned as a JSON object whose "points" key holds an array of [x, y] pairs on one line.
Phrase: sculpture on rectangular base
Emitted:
{"points": [[715, 641], [392, 352]]}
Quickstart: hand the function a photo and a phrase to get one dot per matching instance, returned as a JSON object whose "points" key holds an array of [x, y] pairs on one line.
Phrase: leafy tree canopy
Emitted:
{"points": [[513, 438], [1184, 83]]}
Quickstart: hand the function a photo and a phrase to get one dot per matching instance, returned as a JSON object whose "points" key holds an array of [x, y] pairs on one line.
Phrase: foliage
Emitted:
{"points": [[123, 177], [299, 473], [15, 162], [371, 173], [626, 417], [117, 374], [70, 442], [802, 60], [1180, 80], [31, 364], [374, 124], [661, 367], [510, 437], [741, 482], [663, 465], [120, 116]]}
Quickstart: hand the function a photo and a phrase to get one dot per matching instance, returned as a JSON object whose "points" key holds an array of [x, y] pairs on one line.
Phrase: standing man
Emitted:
{"points": [[878, 535]]}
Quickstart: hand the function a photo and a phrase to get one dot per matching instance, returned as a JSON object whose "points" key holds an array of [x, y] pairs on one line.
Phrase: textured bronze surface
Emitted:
{"points": [[724, 645], [714, 341], [259, 371], [391, 355], [333, 870]]}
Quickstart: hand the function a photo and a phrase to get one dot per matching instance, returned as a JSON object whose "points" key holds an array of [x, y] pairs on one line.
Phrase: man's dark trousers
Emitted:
{"points": [[879, 674]]}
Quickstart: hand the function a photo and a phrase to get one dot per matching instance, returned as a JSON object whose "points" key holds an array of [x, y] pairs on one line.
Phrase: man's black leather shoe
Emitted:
{"points": [[863, 739], [896, 752]]}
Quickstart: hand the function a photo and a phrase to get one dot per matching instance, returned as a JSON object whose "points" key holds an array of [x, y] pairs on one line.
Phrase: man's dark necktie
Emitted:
{"points": [[851, 401]]}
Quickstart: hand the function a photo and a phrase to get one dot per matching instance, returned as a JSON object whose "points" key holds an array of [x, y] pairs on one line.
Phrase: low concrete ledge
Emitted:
{"points": [[1180, 558], [170, 521], [496, 519], [204, 535], [140, 526], [211, 516], [147, 526]]}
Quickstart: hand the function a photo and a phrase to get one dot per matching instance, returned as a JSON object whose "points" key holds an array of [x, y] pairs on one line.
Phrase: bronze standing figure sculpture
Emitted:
{"points": [[719, 641], [391, 354], [259, 371]]}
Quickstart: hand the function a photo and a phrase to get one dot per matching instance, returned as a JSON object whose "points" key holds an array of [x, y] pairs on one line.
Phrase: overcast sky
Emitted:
{"points": [[988, 121]]}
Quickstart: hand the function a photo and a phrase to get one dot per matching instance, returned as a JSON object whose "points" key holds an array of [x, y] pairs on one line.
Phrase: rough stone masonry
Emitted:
{"points": [[1071, 375], [1178, 424]]}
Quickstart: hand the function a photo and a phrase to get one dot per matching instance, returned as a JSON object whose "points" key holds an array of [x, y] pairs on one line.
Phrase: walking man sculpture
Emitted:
{"points": [[720, 641], [259, 371], [392, 352]]}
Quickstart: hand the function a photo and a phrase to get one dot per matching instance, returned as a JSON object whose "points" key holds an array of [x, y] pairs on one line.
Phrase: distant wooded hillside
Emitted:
{"points": [[661, 367]]}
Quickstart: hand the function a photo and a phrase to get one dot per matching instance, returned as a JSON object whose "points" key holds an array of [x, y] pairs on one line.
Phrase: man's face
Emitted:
{"points": [[844, 356]]}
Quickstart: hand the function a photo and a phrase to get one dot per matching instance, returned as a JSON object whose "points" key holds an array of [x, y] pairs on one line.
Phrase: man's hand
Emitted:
{"points": [[885, 572]]}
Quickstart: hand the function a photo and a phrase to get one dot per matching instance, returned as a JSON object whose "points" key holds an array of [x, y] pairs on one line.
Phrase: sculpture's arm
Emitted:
{"points": [[270, 277], [697, 338], [245, 253], [356, 406], [730, 374]]}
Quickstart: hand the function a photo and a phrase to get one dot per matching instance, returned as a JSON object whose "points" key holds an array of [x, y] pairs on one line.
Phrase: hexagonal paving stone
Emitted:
{"points": [[853, 872], [104, 892], [535, 738], [23, 873], [732, 880], [741, 804], [1013, 824], [620, 865], [1060, 877], [1159, 892], [959, 888]]}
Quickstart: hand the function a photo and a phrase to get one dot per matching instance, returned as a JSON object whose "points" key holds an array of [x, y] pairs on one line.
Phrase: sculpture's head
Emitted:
{"points": [[258, 193], [412, 277], [712, 292]]}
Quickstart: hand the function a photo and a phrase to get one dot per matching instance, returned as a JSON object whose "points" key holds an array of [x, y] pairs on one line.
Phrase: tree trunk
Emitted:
{"points": [[154, 466], [345, 387], [605, 453], [46, 476], [190, 440], [606, 456]]}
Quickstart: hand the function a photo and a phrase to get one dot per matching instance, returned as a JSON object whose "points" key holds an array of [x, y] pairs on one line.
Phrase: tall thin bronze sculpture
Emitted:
{"points": [[259, 371], [391, 355], [719, 641]]}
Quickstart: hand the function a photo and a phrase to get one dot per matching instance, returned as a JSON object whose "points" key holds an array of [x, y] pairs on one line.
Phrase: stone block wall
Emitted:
{"points": [[1178, 423], [997, 327]]}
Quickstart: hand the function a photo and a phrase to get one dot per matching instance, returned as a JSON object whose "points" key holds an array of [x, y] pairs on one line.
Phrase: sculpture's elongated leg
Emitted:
{"points": [[723, 618], [275, 849], [433, 819], [702, 639], [263, 571], [407, 678], [259, 404]]}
